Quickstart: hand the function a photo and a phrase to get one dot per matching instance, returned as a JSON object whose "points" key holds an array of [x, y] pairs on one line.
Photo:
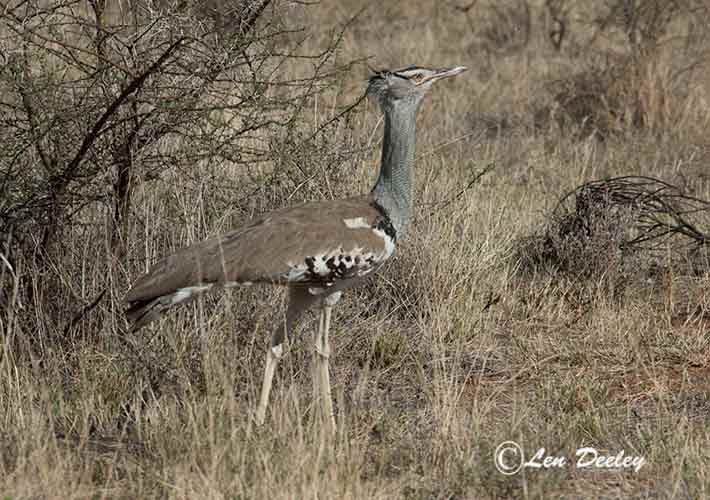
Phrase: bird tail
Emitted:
{"points": [[142, 312]]}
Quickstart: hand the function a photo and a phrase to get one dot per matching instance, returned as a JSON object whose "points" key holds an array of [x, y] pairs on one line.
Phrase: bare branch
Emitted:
{"points": [[131, 88]]}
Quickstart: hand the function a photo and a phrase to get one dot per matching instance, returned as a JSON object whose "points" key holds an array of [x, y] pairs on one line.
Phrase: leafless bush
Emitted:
{"points": [[662, 210], [646, 86], [603, 231], [98, 97], [585, 248], [590, 101], [645, 22], [618, 94], [302, 156]]}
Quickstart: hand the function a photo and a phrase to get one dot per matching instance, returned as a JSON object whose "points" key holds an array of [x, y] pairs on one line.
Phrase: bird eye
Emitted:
{"points": [[417, 77]]}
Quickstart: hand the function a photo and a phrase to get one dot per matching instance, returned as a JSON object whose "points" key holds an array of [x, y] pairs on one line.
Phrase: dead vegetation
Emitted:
{"points": [[553, 292], [608, 238]]}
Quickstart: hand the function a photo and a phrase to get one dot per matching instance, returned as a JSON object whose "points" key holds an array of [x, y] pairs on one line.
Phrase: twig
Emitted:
{"points": [[84, 311], [439, 205], [660, 209], [98, 126]]}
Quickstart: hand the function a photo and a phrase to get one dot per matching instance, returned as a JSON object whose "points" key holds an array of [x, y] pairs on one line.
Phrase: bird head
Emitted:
{"points": [[407, 85]]}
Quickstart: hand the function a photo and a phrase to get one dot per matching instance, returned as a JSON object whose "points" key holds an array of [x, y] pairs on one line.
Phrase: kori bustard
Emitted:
{"points": [[317, 249]]}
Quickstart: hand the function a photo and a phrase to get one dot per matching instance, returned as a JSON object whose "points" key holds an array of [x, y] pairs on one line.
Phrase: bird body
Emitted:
{"points": [[324, 246], [317, 249]]}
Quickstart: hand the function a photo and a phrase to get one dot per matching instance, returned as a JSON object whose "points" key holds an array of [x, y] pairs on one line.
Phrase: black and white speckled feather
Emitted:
{"points": [[322, 270]]}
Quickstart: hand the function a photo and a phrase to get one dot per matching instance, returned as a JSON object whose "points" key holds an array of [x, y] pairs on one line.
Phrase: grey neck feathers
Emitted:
{"points": [[393, 190]]}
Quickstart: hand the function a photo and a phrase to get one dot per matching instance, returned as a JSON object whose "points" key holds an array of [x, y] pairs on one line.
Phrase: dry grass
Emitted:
{"points": [[453, 349]]}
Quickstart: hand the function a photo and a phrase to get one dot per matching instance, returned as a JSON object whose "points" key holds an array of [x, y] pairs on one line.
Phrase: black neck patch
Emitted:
{"points": [[383, 222]]}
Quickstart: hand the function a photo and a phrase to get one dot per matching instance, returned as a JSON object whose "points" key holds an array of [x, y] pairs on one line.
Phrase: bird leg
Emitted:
{"points": [[299, 301], [273, 355], [321, 377]]}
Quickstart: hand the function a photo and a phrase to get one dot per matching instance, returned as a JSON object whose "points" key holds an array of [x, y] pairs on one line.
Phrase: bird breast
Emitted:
{"points": [[327, 268]]}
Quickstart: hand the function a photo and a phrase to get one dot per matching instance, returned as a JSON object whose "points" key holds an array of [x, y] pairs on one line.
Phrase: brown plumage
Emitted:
{"points": [[273, 249]]}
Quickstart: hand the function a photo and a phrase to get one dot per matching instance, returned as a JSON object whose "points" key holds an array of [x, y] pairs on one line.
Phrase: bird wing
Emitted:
{"points": [[316, 244]]}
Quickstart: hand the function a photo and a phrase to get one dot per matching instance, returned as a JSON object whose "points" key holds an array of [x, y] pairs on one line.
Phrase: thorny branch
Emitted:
{"points": [[660, 210]]}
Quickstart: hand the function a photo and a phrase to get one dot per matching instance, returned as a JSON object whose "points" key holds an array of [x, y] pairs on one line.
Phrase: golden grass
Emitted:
{"points": [[446, 354]]}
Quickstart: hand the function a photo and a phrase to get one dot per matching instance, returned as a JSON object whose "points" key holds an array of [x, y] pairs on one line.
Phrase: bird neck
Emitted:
{"points": [[393, 190]]}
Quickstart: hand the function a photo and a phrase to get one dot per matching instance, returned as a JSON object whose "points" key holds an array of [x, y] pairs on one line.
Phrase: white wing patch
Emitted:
{"points": [[357, 223], [389, 243], [296, 272], [182, 294]]}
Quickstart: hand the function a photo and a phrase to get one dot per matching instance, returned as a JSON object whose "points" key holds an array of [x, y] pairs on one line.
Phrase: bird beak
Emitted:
{"points": [[447, 72]]}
